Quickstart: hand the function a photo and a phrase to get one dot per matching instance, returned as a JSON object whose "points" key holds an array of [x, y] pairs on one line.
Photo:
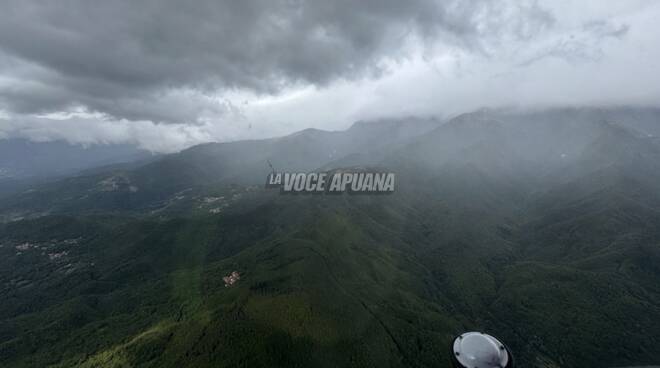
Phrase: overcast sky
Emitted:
{"points": [[167, 74]]}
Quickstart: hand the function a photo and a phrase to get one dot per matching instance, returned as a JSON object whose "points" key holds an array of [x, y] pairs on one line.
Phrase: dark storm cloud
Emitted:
{"points": [[130, 59]]}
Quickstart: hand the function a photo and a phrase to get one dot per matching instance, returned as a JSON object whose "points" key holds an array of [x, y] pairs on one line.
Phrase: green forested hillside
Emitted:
{"points": [[548, 238]]}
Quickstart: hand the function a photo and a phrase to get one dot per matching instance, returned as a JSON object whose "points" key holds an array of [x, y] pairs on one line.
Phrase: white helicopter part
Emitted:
{"points": [[480, 350]]}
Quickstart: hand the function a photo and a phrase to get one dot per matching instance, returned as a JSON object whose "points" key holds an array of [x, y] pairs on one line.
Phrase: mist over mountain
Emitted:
{"points": [[297, 183], [542, 226]]}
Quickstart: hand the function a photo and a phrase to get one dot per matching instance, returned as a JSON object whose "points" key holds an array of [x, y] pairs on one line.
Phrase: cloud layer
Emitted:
{"points": [[211, 70]]}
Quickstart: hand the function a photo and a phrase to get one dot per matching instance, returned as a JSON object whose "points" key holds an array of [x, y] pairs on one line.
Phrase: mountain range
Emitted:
{"points": [[541, 227]]}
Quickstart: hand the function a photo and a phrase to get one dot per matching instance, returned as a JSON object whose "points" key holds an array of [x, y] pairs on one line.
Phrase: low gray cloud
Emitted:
{"points": [[122, 57], [166, 74], [582, 44]]}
